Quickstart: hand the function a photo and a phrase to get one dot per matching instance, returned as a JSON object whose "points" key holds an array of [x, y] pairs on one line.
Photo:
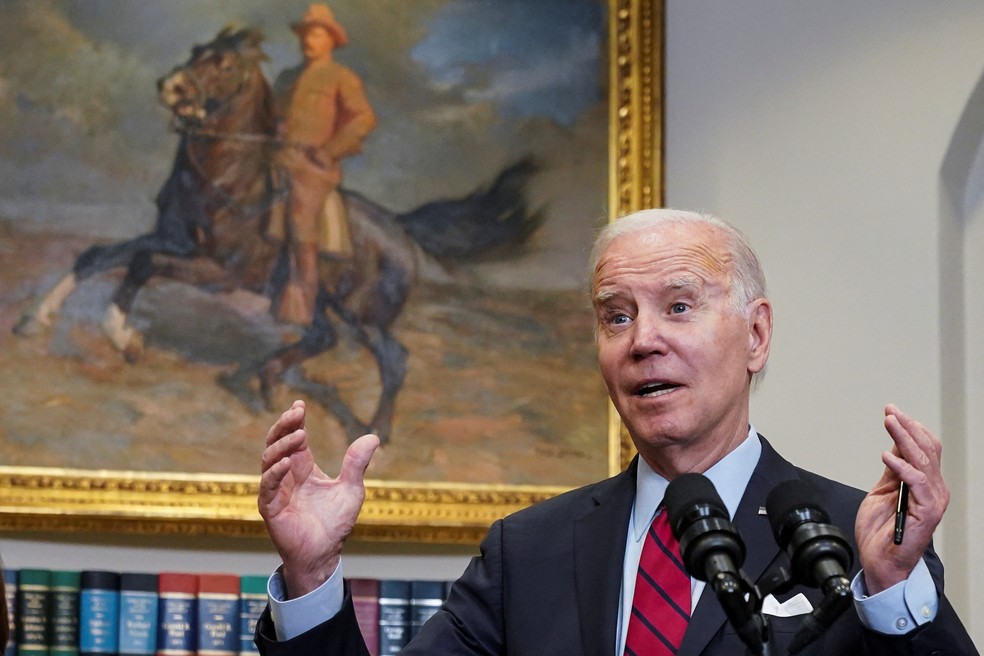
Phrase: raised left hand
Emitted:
{"points": [[915, 459]]}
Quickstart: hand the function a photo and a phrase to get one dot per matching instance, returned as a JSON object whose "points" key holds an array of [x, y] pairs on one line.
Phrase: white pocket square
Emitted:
{"points": [[798, 605]]}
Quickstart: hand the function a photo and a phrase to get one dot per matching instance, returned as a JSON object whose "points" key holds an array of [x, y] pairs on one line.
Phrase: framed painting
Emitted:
{"points": [[149, 220]]}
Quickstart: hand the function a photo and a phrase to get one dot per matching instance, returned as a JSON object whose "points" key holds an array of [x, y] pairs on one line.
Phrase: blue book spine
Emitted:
{"points": [[394, 616], [218, 615], [138, 614], [177, 617], [10, 587], [99, 612]]}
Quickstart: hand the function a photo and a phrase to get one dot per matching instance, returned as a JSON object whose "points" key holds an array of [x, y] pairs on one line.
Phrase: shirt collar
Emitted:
{"points": [[730, 476]]}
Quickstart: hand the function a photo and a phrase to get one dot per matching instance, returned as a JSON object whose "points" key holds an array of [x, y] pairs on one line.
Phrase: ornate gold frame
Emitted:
{"points": [[55, 499]]}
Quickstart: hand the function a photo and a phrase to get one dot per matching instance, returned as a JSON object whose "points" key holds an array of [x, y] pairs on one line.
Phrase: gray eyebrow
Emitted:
{"points": [[683, 282], [603, 296]]}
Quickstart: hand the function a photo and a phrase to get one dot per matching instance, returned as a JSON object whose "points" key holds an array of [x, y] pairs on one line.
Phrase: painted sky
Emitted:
{"points": [[518, 57]]}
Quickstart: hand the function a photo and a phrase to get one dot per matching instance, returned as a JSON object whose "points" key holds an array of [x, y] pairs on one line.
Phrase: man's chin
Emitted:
{"points": [[654, 422], [654, 435]]}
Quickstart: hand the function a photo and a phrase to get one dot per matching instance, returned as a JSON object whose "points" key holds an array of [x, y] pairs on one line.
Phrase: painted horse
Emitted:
{"points": [[213, 215]]}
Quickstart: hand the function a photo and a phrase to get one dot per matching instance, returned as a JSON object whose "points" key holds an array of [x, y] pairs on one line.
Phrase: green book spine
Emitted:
{"points": [[64, 618], [33, 611], [252, 601]]}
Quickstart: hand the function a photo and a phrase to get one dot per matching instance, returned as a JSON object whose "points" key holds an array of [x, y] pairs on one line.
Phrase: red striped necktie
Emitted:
{"points": [[661, 603]]}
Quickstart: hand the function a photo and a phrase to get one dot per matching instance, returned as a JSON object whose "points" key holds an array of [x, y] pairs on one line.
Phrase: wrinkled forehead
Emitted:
{"points": [[687, 250]]}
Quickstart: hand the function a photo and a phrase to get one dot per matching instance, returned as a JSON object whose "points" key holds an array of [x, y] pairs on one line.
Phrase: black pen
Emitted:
{"points": [[900, 512]]}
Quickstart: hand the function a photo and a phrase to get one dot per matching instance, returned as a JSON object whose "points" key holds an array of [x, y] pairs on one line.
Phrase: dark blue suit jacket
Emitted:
{"points": [[548, 581]]}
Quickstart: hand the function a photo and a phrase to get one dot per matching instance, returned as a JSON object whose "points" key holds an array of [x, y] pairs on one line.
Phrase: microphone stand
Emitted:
{"points": [[755, 627], [837, 599], [742, 603]]}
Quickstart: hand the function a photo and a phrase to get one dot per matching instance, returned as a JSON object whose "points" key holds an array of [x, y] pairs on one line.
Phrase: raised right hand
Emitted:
{"points": [[307, 513]]}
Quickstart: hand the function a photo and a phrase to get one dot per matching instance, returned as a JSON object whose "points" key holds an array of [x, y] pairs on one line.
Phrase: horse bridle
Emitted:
{"points": [[245, 211], [180, 126]]}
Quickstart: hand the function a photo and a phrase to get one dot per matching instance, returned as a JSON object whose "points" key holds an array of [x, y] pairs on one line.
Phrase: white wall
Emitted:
{"points": [[820, 128], [962, 321]]}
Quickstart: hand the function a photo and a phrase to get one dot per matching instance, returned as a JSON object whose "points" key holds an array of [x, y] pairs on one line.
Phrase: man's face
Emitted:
{"points": [[674, 353], [316, 43]]}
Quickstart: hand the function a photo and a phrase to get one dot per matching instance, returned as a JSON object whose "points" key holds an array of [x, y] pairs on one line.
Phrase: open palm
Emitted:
{"points": [[309, 514]]}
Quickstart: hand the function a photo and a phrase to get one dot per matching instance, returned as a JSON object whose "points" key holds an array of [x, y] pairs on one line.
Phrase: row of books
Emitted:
{"points": [[70, 613], [390, 612]]}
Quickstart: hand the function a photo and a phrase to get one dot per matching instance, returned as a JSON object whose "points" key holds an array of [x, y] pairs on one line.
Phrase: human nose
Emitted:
{"points": [[648, 336]]}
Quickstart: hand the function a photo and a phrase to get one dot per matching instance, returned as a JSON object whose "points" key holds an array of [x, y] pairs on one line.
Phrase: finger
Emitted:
{"points": [[357, 458], [287, 423], [904, 440], [903, 470], [914, 442], [270, 486], [284, 447], [928, 442], [889, 480], [927, 488], [274, 475]]}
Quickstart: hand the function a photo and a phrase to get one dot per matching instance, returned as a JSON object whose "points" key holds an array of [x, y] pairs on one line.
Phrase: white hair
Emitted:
{"points": [[747, 280]]}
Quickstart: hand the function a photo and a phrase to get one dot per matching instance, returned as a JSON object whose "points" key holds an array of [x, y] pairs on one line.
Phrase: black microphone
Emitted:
{"points": [[709, 543], [820, 554], [713, 551]]}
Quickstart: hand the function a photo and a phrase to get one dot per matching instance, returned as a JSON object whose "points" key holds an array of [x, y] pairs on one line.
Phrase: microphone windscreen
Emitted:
{"points": [[692, 494], [791, 503]]}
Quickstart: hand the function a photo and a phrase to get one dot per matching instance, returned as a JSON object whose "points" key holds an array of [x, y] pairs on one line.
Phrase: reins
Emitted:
{"points": [[245, 212], [246, 137]]}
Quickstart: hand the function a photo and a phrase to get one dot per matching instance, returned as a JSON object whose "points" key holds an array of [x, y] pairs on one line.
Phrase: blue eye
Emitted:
{"points": [[619, 319], [679, 308]]}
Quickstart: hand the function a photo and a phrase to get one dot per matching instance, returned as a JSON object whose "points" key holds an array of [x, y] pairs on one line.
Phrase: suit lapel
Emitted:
{"points": [[598, 561], [761, 549]]}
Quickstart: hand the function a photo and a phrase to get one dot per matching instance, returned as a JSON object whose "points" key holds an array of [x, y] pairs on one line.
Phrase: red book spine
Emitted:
{"points": [[365, 597]]}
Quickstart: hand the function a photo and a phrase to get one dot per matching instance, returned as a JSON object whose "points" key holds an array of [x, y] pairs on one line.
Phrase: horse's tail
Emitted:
{"points": [[486, 222]]}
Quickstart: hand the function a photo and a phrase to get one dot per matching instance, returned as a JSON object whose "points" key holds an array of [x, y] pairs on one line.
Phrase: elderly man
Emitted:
{"points": [[683, 326], [325, 117]]}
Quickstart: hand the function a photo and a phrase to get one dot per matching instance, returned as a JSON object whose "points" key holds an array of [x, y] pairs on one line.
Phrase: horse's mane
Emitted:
{"points": [[255, 102], [245, 40]]}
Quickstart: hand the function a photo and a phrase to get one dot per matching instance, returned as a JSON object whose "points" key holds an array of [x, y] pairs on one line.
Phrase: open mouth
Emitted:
{"points": [[187, 109], [180, 96], [187, 113], [656, 389]]}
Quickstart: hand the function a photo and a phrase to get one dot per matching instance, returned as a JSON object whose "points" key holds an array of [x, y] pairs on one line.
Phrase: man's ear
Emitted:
{"points": [[759, 334]]}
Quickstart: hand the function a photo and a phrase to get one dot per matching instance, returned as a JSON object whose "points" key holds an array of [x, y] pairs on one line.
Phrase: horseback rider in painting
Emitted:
{"points": [[325, 117], [217, 212]]}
